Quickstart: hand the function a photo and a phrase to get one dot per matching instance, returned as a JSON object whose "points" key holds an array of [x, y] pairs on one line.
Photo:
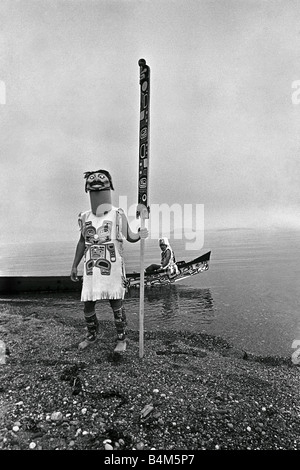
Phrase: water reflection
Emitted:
{"points": [[165, 307], [197, 306], [176, 307], [167, 300]]}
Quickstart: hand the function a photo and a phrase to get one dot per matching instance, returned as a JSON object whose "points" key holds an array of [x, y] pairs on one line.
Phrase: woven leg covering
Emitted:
{"points": [[92, 325], [120, 322]]}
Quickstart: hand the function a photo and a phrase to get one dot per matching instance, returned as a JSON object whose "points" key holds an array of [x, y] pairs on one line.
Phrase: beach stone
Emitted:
{"points": [[234, 352], [108, 446], [56, 416]]}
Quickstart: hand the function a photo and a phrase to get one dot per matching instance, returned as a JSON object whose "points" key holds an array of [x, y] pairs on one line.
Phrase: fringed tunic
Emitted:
{"points": [[104, 270]]}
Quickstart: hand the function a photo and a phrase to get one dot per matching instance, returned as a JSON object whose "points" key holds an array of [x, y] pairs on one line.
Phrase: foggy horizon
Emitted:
{"points": [[223, 125]]}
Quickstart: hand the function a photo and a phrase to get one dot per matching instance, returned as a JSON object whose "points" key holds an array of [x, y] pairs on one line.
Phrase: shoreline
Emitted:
{"points": [[189, 391], [32, 301]]}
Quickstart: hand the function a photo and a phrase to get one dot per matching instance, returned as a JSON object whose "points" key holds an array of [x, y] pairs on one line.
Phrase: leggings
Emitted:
{"points": [[118, 310]]}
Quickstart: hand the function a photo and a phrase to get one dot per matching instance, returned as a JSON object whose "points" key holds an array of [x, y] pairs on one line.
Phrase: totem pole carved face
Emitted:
{"points": [[99, 180]]}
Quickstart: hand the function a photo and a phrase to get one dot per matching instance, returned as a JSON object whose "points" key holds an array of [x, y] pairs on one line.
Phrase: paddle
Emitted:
{"points": [[142, 207]]}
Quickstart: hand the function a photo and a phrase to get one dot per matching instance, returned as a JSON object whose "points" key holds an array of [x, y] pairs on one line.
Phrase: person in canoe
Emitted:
{"points": [[168, 262], [102, 231]]}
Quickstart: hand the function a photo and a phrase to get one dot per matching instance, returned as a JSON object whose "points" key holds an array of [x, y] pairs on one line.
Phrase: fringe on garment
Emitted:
{"points": [[103, 296]]}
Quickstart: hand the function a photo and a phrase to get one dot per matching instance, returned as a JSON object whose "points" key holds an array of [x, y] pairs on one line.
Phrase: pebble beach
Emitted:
{"points": [[188, 391]]}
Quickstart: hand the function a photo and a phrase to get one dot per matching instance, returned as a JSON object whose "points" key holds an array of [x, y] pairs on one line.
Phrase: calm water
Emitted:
{"points": [[249, 295]]}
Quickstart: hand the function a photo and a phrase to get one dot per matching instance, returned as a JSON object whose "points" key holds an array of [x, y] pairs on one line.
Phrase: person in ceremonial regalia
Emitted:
{"points": [[168, 262], [102, 231]]}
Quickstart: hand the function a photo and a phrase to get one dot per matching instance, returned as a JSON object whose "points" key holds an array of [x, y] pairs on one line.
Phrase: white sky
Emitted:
{"points": [[224, 130]]}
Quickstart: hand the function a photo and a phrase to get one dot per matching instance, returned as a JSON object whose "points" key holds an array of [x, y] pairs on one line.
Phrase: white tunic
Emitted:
{"points": [[104, 270]]}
